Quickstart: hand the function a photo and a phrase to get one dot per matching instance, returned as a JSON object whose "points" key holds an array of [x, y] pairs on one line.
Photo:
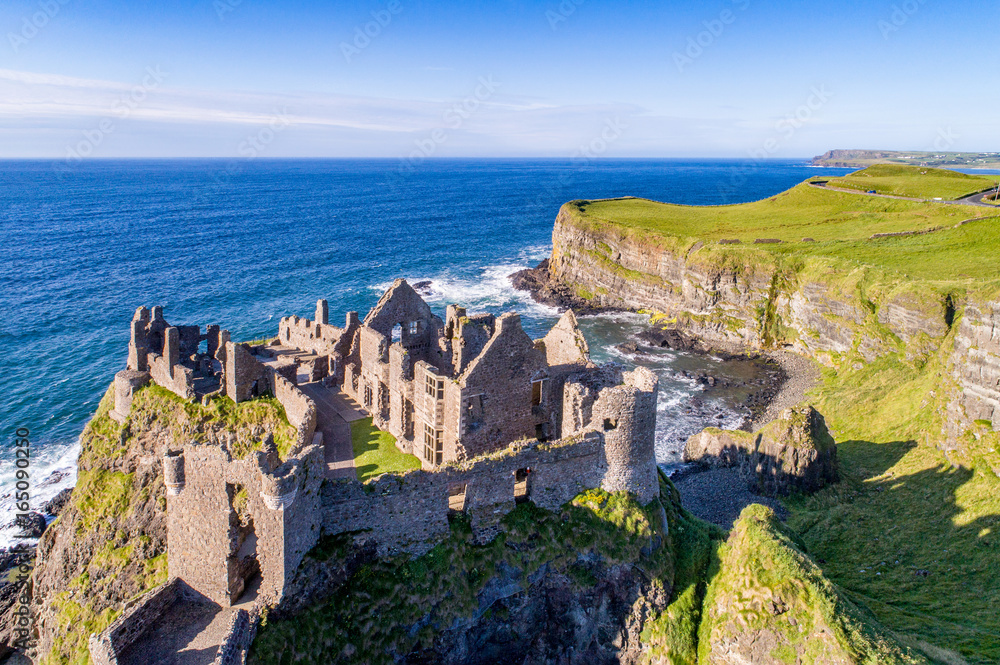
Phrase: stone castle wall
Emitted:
{"points": [[206, 542], [409, 512], [299, 409], [142, 614]]}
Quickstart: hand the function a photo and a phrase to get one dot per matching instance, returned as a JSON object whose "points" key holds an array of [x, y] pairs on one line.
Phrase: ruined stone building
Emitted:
{"points": [[448, 390], [495, 417]]}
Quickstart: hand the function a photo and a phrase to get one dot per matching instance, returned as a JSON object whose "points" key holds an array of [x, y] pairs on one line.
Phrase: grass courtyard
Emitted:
{"points": [[375, 452]]}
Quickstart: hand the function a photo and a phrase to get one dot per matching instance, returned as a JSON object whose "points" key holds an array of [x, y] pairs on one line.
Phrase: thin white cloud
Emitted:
{"points": [[492, 122]]}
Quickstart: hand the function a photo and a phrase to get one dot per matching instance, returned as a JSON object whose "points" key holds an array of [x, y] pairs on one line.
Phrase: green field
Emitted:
{"points": [[375, 452], [915, 182], [841, 224]]}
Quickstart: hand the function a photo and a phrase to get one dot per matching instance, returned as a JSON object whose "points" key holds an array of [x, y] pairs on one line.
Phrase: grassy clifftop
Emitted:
{"points": [[915, 181], [910, 531], [817, 227]]}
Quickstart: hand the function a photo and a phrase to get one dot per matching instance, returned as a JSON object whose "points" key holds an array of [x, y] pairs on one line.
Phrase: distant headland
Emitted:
{"points": [[863, 158]]}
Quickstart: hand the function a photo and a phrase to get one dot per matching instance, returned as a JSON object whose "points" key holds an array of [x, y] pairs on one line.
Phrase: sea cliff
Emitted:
{"points": [[840, 313]]}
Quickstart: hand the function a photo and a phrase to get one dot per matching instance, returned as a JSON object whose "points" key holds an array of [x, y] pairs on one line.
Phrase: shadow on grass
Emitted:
{"points": [[375, 452], [915, 540]]}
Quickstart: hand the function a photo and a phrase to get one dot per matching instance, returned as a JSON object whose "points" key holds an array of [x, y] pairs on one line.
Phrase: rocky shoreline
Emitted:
{"points": [[31, 528], [782, 380]]}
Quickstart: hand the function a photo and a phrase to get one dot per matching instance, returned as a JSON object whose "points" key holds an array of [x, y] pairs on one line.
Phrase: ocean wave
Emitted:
{"points": [[55, 466], [487, 290]]}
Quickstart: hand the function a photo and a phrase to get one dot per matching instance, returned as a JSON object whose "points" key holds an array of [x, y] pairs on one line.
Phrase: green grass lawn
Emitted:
{"points": [[375, 452], [841, 224], [801, 212], [921, 182]]}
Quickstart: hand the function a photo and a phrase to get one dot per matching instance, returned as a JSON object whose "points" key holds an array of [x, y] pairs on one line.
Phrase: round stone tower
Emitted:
{"points": [[627, 415], [173, 472]]}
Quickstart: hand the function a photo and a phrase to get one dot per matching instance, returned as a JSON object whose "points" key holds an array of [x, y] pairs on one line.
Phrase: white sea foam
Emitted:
{"points": [[488, 290], [53, 469]]}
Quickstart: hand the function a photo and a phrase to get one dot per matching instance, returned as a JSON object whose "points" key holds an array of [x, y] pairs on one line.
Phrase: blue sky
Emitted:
{"points": [[727, 78]]}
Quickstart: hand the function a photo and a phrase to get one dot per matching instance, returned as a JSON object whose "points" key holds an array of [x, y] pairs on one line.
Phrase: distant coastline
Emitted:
{"points": [[863, 158]]}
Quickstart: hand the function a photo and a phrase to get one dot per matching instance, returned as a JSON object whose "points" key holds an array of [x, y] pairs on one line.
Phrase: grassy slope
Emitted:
{"points": [[763, 582], [398, 606], [915, 181], [902, 499], [908, 532], [375, 452], [960, 258], [803, 211], [110, 499]]}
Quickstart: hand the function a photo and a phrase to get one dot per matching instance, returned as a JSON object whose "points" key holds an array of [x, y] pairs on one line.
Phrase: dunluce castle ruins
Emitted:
{"points": [[495, 418]]}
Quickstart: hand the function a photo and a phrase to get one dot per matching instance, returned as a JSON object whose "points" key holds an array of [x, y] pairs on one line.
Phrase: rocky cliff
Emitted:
{"points": [[842, 314]]}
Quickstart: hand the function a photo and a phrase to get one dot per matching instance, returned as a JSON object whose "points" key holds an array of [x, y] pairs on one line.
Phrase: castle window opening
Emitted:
{"points": [[456, 498], [414, 327], [369, 397], [383, 400], [434, 387], [408, 417], [397, 333], [542, 432], [474, 412], [521, 485], [610, 424], [433, 445], [537, 391]]}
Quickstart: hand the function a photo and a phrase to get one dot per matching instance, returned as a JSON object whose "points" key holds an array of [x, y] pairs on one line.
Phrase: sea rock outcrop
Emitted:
{"points": [[793, 453]]}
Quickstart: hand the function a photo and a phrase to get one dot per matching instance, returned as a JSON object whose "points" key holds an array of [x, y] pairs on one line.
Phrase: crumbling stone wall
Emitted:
{"points": [[142, 614], [246, 377], [627, 414], [127, 383], [282, 504], [171, 356], [316, 336], [502, 375], [299, 409], [409, 512]]}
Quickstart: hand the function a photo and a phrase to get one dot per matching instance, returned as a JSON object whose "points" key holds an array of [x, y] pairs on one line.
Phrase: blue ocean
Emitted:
{"points": [[243, 243]]}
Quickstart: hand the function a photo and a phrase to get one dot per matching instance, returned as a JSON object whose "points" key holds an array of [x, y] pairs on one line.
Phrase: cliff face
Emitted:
{"points": [[976, 365], [838, 313]]}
